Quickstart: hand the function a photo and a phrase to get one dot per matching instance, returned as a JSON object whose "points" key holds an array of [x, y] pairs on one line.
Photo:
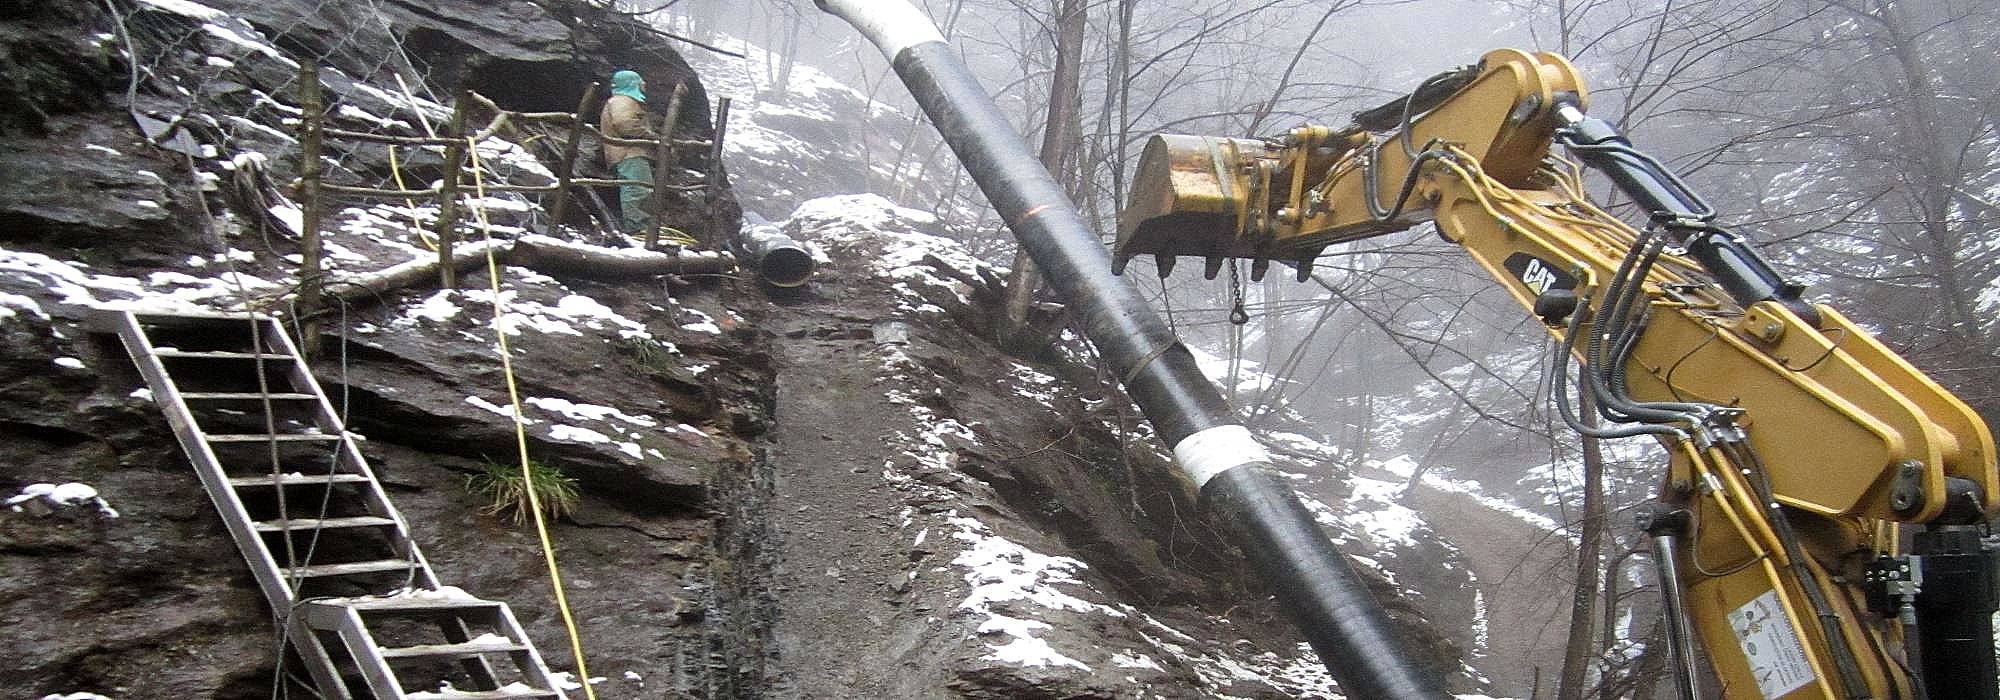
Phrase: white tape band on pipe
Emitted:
{"points": [[893, 25], [1216, 450]]}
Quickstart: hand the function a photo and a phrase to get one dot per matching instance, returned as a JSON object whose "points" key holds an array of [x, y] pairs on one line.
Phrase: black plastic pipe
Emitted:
{"points": [[1321, 593]]}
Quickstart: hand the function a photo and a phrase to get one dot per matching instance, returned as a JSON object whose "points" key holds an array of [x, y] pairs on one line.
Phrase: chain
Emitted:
{"points": [[1237, 313], [1237, 316]]}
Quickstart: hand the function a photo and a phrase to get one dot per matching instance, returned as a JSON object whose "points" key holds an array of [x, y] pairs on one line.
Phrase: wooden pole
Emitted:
{"points": [[664, 166], [434, 192], [310, 273], [454, 157], [542, 254], [567, 170], [713, 177]]}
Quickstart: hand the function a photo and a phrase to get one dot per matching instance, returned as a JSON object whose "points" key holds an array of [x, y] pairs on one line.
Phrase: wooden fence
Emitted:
{"points": [[455, 139]]}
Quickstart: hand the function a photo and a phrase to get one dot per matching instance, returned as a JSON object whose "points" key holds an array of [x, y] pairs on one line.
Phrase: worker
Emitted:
{"points": [[624, 116]]}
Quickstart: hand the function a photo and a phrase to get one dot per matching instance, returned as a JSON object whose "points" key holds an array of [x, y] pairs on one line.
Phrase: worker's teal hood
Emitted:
{"points": [[626, 83]]}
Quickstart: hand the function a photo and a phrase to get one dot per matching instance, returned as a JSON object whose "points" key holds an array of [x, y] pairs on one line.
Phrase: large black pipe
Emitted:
{"points": [[1321, 592]]}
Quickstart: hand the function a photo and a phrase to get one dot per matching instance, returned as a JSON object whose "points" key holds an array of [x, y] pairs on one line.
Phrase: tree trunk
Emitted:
{"points": [[1058, 145], [1579, 650], [788, 53]]}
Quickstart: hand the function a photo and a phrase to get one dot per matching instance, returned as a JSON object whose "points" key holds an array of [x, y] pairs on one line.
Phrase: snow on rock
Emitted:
{"points": [[570, 315], [59, 496], [73, 285], [896, 242], [797, 141], [702, 323], [577, 411], [562, 318], [10, 304], [187, 9], [1001, 570], [1300, 675]]}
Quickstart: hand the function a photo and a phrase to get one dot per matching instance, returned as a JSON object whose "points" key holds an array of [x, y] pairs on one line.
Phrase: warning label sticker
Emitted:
{"points": [[1777, 660]]}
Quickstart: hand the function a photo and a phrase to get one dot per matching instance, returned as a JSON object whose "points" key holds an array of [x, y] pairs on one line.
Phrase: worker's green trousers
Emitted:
{"points": [[632, 198]]}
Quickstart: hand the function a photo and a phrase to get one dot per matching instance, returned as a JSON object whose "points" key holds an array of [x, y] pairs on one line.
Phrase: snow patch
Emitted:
{"points": [[1002, 572], [60, 496], [187, 9]]}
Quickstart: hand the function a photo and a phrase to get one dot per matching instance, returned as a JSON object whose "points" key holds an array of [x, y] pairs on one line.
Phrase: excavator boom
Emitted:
{"points": [[1802, 448]]}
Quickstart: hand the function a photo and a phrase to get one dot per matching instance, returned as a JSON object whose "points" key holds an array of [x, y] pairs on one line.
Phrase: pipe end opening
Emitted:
{"points": [[786, 267]]}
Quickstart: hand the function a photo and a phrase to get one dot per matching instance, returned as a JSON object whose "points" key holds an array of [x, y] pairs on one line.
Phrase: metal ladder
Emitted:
{"points": [[313, 522]]}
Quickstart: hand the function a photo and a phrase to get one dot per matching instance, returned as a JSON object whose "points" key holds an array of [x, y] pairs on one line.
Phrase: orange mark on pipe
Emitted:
{"points": [[1029, 214]]}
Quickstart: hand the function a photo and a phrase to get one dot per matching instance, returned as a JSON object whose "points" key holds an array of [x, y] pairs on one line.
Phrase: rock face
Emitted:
{"points": [[842, 490]]}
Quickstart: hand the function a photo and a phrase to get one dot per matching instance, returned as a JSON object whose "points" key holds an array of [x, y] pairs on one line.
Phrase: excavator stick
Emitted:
{"points": [[1829, 497], [1288, 197]]}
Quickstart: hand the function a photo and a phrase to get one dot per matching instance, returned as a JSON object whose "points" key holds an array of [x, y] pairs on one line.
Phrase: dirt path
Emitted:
{"points": [[842, 627], [1523, 574]]}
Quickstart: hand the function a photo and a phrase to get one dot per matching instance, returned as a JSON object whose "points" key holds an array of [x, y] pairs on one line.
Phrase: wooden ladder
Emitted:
{"points": [[333, 556]]}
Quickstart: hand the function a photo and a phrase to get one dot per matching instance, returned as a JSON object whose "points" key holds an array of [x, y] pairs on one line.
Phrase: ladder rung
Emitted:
{"points": [[222, 355], [501, 694], [196, 316], [296, 479], [267, 437], [243, 396], [322, 523], [358, 567], [472, 648], [420, 604]]}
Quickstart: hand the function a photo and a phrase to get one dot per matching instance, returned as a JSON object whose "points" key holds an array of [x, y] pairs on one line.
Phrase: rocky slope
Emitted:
{"points": [[837, 491]]}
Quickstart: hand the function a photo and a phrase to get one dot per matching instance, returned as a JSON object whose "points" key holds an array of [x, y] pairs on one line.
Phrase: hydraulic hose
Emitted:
{"points": [[1559, 366], [1320, 591], [1613, 337], [1744, 274]]}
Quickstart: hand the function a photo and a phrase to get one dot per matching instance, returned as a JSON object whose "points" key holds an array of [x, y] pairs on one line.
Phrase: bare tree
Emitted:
{"points": [[1059, 135]]}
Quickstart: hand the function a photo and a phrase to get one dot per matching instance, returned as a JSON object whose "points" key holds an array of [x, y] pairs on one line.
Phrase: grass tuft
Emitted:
{"points": [[505, 490]]}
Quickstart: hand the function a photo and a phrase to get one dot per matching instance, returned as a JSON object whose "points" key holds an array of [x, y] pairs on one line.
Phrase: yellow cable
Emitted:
{"points": [[678, 237], [396, 171], [520, 428]]}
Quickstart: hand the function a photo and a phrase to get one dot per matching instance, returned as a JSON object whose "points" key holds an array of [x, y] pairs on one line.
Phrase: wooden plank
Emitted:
{"points": [[502, 694], [349, 569], [420, 604], [219, 355], [297, 480], [265, 437], [471, 648], [244, 396], [322, 523]]}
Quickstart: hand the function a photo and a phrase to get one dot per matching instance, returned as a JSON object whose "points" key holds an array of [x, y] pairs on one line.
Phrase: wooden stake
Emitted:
{"points": [[567, 170], [713, 178], [664, 166], [454, 157], [310, 275]]}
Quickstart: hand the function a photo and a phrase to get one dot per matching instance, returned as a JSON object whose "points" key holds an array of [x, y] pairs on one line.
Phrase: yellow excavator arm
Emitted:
{"points": [[1803, 449]]}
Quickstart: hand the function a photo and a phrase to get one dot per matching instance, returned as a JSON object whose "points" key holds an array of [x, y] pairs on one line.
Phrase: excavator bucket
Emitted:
{"points": [[1190, 196]]}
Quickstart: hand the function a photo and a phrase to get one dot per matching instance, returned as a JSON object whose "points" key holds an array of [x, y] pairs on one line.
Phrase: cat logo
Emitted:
{"points": [[1539, 275]]}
